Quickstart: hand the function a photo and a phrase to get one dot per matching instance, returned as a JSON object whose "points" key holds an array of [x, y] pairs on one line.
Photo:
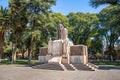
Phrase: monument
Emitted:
{"points": [[63, 50]]}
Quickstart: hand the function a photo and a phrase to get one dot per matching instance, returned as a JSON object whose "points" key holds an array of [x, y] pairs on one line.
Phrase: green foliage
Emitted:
{"points": [[8, 51], [31, 24], [3, 18], [96, 3], [110, 23], [19, 61], [57, 18], [83, 26], [60, 18]]}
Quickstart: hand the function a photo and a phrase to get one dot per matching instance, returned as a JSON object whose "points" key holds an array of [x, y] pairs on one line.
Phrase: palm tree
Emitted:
{"points": [[96, 3], [3, 21]]}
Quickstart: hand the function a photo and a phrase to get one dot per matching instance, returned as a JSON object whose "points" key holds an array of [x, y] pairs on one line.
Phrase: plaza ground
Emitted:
{"points": [[24, 72]]}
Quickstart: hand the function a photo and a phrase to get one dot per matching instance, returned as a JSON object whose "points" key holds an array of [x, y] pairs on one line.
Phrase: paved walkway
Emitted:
{"points": [[21, 72]]}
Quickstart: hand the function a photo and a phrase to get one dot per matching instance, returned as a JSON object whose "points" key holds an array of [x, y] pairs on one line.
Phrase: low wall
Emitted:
{"points": [[76, 59], [77, 50], [43, 51], [42, 59]]}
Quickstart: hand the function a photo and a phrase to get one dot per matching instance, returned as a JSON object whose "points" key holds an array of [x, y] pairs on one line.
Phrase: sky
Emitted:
{"points": [[67, 6]]}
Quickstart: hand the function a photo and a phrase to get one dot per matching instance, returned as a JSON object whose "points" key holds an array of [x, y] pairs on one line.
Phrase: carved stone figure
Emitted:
{"points": [[59, 31], [64, 34]]}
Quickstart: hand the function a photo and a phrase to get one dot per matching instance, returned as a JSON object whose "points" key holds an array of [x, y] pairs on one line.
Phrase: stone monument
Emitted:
{"points": [[62, 50]]}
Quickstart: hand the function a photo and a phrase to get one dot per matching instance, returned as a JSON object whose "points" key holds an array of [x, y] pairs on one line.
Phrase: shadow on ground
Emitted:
{"points": [[109, 67]]}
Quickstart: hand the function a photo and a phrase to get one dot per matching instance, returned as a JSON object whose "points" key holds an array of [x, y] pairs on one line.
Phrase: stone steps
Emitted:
{"points": [[93, 65], [57, 66], [81, 66], [48, 66], [68, 67]]}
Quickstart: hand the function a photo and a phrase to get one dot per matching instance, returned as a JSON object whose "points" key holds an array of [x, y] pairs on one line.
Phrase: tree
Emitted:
{"points": [[58, 17], [18, 21], [3, 23], [39, 16], [113, 8], [82, 27], [96, 3], [110, 22], [28, 14]]}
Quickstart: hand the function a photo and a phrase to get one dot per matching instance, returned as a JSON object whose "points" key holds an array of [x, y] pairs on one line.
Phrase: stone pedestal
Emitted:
{"points": [[42, 59], [48, 57], [50, 46], [78, 54], [55, 59], [57, 48]]}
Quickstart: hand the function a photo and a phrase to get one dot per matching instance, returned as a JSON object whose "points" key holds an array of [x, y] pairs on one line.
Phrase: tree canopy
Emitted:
{"points": [[30, 24]]}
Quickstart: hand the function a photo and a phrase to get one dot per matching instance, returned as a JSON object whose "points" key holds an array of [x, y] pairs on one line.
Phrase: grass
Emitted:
{"points": [[115, 63], [25, 61], [19, 61]]}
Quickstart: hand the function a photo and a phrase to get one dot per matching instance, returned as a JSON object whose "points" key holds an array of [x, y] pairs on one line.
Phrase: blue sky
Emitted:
{"points": [[67, 6]]}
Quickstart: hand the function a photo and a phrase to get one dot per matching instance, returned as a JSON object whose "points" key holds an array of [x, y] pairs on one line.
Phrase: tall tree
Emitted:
{"points": [[83, 26], [109, 18], [39, 16], [111, 25], [18, 21], [114, 9], [3, 22]]}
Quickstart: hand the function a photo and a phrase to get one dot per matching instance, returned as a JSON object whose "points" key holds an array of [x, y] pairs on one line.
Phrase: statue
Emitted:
{"points": [[59, 31], [62, 33], [62, 36]]}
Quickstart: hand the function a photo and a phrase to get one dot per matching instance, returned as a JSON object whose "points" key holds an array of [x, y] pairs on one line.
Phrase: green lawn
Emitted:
{"points": [[115, 63], [19, 61], [25, 61]]}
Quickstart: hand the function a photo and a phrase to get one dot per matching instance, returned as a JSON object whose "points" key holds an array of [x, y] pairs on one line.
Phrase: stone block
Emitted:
{"points": [[50, 46], [43, 51], [57, 47], [77, 59], [55, 59], [77, 50], [42, 59]]}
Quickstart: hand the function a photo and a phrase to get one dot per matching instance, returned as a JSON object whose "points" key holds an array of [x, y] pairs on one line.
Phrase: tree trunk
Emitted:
{"points": [[15, 55], [23, 52], [30, 49], [29, 55], [1, 43], [15, 52]]}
